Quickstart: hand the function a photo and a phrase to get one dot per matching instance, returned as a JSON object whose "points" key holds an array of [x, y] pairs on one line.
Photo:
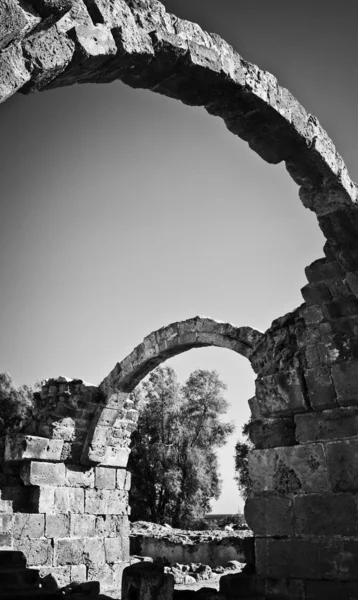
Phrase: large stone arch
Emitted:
{"points": [[64, 42], [304, 414]]}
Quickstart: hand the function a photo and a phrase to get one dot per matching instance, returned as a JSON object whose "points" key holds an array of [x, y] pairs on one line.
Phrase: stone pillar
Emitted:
{"points": [[304, 510], [147, 581]]}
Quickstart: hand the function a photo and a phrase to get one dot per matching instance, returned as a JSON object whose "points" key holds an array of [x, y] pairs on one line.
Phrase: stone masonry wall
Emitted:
{"points": [[70, 520], [305, 431]]}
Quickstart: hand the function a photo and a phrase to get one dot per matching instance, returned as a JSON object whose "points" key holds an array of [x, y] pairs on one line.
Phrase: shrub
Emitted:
{"points": [[16, 405]]}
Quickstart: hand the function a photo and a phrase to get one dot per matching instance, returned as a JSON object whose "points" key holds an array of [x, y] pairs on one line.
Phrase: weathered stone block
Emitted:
{"points": [[342, 308], [320, 388], [327, 425], [15, 21], [323, 558], [57, 526], [316, 293], [27, 447], [345, 378], [116, 549], [289, 470], [313, 315], [347, 327], [76, 500], [326, 515], [94, 553], [342, 457], [281, 394], [83, 525], [69, 500], [106, 502], [105, 574], [43, 473], [270, 516], [49, 51], [105, 478], [78, 476], [28, 526], [302, 469], [115, 457], [287, 558], [270, 433], [108, 417], [112, 526], [321, 269], [337, 350], [37, 551], [330, 590], [262, 469], [69, 552], [78, 573]]}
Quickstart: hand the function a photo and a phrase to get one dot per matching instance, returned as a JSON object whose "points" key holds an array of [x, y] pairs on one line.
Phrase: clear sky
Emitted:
{"points": [[123, 211]]}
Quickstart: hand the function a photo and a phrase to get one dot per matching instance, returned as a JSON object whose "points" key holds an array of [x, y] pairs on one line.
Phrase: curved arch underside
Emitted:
{"points": [[173, 340], [156, 348], [55, 43]]}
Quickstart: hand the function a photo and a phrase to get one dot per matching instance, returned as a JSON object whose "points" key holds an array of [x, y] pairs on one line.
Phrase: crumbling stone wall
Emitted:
{"points": [[70, 520], [303, 512]]}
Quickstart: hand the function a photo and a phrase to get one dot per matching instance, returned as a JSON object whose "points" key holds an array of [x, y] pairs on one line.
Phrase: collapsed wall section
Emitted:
{"points": [[70, 520]]}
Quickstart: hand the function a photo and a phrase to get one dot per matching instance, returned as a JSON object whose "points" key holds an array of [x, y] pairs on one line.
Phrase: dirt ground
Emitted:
{"points": [[208, 583]]}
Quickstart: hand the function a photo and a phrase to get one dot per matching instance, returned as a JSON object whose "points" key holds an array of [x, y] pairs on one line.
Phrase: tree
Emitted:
{"points": [[16, 405], [173, 460], [242, 475]]}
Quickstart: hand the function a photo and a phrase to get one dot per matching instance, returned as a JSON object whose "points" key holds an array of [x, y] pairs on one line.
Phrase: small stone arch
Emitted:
{"points": [[156, 348]]}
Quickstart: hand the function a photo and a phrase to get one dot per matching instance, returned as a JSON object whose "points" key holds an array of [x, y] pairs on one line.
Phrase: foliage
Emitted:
{"points": [[16, 404], [173, 460], [242, 475]]}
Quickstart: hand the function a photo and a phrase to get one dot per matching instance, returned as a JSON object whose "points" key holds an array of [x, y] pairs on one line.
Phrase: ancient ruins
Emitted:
{"points": [[64, 485]]}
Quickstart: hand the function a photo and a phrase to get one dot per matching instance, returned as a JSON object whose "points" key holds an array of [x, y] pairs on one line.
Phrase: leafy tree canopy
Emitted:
{"points": [[16, 404], [242, 475], [175, 471]]}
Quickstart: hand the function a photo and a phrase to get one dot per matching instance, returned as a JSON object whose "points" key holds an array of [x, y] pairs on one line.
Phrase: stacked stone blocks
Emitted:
{"points": [[68, 519], [305, 431]]}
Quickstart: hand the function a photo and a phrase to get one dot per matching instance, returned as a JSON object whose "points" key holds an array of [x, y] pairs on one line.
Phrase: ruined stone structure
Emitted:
{"points": [[64, 490]]}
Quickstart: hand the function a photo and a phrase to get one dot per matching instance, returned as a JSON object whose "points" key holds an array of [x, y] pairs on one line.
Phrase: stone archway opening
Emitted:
{"points": [[155, 349]]}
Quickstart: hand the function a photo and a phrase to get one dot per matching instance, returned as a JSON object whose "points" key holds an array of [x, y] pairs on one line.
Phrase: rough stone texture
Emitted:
{"points": [[304, 412]]}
